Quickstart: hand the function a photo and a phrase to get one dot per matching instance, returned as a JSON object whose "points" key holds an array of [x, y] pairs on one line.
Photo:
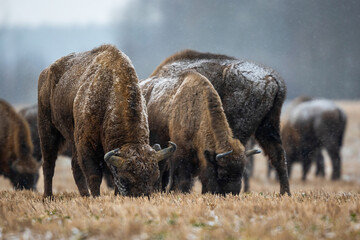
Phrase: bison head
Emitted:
{"points": [[135, 169], [24, 173], [228, 168]]}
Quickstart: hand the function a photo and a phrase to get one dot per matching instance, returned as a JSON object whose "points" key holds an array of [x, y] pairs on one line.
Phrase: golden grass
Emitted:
{"points": [[318, 208]]}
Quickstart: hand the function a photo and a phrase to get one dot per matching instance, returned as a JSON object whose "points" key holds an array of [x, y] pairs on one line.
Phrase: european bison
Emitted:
{"points": [[93, 100], [252, 97], [16, 160], [311, 126], [186, 109]]}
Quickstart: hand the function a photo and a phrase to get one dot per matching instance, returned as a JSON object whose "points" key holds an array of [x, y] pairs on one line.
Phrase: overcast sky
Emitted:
{"points": [[57, 12]]}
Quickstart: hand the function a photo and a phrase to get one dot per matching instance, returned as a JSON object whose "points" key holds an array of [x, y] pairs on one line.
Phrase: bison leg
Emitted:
{"points": [[306, 166], [180, 172], [269, 139], [320, 166], [108, 178], [249, 168], [79, 175], [89, 161], [334, 154]]}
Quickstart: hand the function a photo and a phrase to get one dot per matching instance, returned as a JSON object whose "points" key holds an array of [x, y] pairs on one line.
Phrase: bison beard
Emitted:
{"points": [[252, 97], [92, 101]]}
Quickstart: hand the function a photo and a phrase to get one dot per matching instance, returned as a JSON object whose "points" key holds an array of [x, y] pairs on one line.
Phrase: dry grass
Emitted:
{"points": [[318, 209]]}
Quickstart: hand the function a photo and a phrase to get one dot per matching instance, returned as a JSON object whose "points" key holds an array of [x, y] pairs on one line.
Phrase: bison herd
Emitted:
{"points": [[206, 110]]}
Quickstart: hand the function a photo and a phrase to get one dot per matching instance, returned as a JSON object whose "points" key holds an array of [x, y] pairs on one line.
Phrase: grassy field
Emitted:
{"points": [[318, 208]]}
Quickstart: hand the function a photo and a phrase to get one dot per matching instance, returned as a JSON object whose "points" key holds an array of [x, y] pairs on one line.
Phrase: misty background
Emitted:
{"points": [[313, 44]]}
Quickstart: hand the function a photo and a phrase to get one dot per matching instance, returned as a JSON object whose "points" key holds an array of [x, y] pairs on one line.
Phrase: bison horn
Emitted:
{"points": [[248, 153], [221, 155], [113, 160], [165, 153]]}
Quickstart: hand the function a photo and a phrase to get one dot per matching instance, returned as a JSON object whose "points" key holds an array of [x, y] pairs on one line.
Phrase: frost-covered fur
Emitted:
{"points": [[187, 110], [311, 126], [16, 160], [252, 97], [93, 100]]}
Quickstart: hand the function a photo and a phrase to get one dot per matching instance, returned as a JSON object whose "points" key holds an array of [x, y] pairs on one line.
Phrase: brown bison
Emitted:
{"points": [[16, 160], [186, 109], [252, 97], [93, 100], [311, 126]]}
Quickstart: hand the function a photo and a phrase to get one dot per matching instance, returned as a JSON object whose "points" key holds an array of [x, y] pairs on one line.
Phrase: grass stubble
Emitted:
{"points": [[317, 209]]}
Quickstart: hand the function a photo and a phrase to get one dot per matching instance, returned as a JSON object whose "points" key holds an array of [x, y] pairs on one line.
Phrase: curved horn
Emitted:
{"points": [[252, 152], [167, 152], [221, 155], [113, 160]]}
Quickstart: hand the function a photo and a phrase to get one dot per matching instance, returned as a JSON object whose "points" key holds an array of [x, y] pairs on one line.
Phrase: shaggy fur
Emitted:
{"points": [[252, 97], [188, 111], [92, 100], [16, 161], [311, 126]]}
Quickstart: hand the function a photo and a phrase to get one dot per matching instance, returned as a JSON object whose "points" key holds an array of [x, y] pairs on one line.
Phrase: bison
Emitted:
{"points": [[16, 149], [92, 100], [252, 96], [312, 125], [186, 109]]}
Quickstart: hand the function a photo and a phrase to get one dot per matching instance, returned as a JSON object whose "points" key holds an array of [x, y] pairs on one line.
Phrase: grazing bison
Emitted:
{"points": [[16, 160], [186, 109], [311, 126], [320, 167], [252, 97], [93, 101]]}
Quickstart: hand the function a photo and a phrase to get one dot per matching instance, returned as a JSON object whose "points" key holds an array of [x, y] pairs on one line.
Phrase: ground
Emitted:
{"points": [[317, 209]]}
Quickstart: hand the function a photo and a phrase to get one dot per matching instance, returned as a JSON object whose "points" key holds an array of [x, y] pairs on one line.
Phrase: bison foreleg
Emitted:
{"points": [[334, 154], [320, 166]]}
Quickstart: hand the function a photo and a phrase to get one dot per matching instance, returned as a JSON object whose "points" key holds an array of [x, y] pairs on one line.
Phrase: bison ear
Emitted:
{"points": [[165, 153], [113, 160], [248, 153]]}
